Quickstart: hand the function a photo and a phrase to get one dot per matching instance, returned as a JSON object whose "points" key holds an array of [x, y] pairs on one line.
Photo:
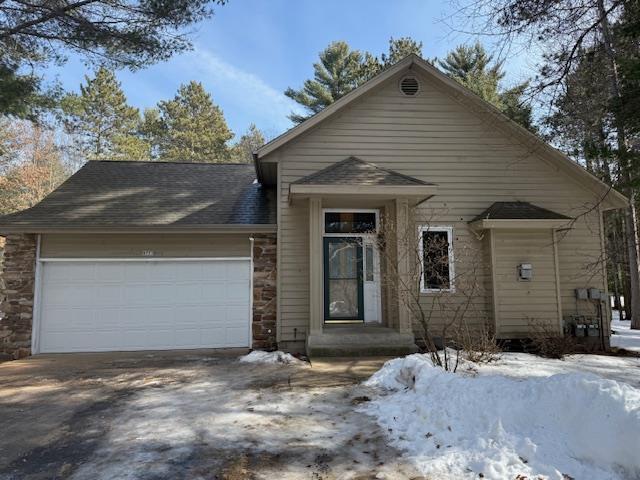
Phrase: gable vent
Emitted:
{"points": [[409, 86]]}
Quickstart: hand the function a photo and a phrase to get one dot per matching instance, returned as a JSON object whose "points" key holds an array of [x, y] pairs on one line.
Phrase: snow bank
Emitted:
{"points": [[456, 426], [258, 356], [624, 336]]}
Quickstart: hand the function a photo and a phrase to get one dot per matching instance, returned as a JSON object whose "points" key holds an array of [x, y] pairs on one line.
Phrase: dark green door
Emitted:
{"points": [[343, 288]]}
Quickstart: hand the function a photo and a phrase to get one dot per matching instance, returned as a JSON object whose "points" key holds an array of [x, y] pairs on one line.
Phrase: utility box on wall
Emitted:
{"points": [[525, 272]]}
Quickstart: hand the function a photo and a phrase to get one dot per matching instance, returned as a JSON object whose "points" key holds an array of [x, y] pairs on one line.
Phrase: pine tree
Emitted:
{"points": [[399, 48], [341, 69], [103, 125], [471, 66], [191, 128], [249, 142], [337, 73], [474, 68]]}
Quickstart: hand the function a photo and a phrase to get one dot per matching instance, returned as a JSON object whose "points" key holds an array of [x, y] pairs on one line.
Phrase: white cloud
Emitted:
{"points": [[240, 93]]}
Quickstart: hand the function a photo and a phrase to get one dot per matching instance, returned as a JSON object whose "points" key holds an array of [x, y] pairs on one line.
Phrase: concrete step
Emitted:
{"points": [[360, 341]]}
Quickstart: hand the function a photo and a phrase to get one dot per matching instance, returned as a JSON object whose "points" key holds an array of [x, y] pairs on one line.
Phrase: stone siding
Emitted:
{"points": [[17, 308], [264, 292]]}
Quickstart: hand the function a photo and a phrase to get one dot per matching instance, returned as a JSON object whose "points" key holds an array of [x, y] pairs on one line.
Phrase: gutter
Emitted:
{"points": [[229, 228]]}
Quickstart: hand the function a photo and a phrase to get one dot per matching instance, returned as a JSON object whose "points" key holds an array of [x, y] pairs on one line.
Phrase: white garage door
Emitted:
{"points": [[95, 306]]}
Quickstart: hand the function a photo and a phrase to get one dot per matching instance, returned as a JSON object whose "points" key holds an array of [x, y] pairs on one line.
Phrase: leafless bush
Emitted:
{"points": [[479, 345], [547, 342], [421, 260]]}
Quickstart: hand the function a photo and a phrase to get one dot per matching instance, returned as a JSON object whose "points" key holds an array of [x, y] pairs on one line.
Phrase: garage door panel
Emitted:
{"points": [[115, 305], [218, 271], [110, 272], [77, 272], [234, 334], [237, 271]]}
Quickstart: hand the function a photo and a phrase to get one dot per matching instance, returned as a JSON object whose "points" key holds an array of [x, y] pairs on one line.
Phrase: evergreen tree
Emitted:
{"points": [[341, 69], [130, 34], [471, 66], [398, 49], [337, 73], [474, 68], [249, 142], [103, 125], [191, 128]]}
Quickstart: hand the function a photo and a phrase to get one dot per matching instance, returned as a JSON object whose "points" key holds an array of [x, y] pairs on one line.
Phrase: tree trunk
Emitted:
{"points": [[634, 277], [631, 218]]}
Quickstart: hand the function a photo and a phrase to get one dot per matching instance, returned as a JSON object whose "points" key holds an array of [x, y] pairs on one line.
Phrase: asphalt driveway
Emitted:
{"points": [[200, 415]]}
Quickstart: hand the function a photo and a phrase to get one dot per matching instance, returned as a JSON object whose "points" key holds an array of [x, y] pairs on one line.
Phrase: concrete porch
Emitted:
{"points": [[359, 340]]}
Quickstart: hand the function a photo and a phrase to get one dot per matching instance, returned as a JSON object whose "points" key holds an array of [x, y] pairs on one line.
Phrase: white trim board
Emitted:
{"points": [[437, 228]]}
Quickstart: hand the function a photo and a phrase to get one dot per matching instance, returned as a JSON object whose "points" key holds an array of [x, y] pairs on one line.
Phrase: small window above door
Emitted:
{"points": [[350, 222]]}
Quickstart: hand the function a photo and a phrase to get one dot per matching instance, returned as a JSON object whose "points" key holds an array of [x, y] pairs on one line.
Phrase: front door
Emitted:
{"points": [[343, 279]]}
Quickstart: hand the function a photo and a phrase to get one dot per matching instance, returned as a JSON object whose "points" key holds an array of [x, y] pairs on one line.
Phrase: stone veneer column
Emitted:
{"points": [[19, 278], [264, 292]]}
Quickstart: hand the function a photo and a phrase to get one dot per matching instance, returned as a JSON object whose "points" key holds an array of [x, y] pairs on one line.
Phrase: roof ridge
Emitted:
{"points": [[353, 159], [394, 172], [495, 210], [327, 168], [167, 162]]}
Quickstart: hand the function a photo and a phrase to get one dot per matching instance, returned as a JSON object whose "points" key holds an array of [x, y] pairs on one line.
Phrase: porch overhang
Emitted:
{"points": [[519, 215], [415, 194]]}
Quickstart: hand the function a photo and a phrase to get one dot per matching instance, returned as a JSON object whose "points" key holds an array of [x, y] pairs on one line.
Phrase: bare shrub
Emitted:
{"points": [[417, 258], [479, 345], [547, 342]]}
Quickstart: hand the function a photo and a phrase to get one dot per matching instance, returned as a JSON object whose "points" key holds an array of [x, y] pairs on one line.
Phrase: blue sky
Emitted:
{"points": [[252, 50]]}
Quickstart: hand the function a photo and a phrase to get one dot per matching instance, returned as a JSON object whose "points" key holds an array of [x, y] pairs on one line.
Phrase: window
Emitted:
{"points": [[368, 257], [436, 253], [349, 222]]}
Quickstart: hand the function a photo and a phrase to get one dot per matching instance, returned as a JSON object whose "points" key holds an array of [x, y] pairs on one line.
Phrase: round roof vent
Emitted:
{"points": [[409, 86]]}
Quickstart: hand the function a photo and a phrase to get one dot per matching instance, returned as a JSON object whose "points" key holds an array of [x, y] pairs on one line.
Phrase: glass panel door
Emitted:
{"points": [[343, 291]]}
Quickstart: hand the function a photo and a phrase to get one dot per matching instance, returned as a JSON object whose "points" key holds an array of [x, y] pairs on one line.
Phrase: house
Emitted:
{"points": [[287, 252]]}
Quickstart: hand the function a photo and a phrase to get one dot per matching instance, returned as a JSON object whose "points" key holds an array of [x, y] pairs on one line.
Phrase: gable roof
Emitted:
{"points": [[518, 211], [151, 195], [463, 95], [354, 171]]}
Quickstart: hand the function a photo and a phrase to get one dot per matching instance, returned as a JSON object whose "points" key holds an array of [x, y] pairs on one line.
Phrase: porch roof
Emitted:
{"points": [[519, 215], [355, 177]]}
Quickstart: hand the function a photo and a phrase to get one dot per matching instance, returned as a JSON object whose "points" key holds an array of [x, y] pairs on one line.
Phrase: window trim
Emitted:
{"points": [[437, 228], [350, 210]]}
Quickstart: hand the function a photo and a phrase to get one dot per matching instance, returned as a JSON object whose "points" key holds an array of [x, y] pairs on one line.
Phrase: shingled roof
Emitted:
{"points": [[518, 211], [354, 171], [151, 194]]}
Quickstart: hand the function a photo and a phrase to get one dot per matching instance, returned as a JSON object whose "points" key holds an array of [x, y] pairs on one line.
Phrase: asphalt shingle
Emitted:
{"points": [[145, 194], [354, 171], [518, 211]]}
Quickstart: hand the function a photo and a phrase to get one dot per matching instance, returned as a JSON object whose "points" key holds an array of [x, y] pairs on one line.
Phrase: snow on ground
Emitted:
{"points": [[524, 365], [259, 356], [521, 416], [624, 337]]}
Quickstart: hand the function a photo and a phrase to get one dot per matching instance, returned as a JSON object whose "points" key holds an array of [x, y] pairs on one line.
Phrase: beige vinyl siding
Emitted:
{"points": [[133, 245], [435, 138], [522, 304]]}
